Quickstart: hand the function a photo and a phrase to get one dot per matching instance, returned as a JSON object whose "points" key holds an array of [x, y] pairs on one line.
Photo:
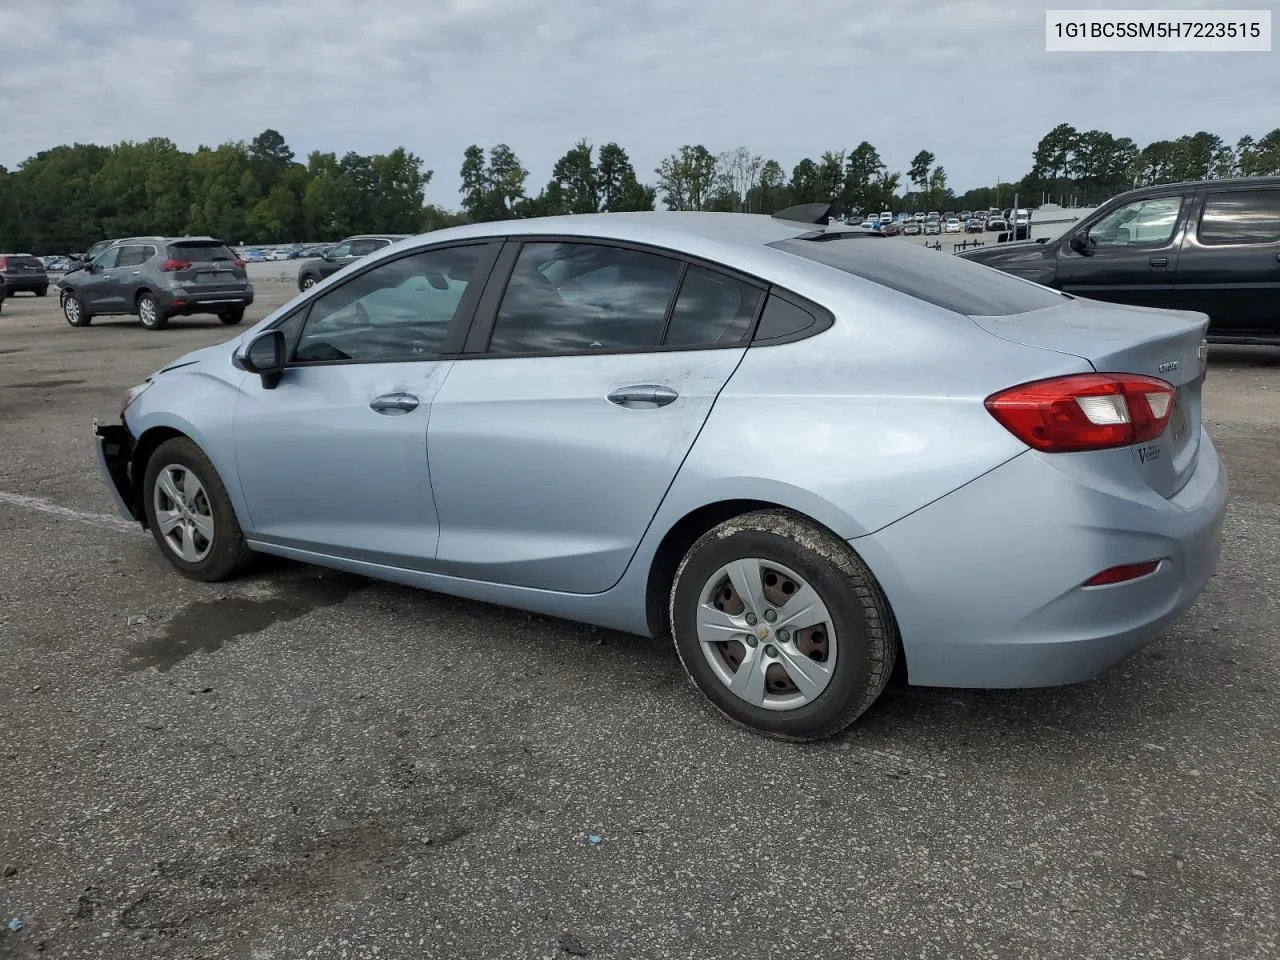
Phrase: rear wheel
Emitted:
{"points": [[232, 317], [190, 514], [150, 313], [75, 311], [42, 291], [782, 626]]}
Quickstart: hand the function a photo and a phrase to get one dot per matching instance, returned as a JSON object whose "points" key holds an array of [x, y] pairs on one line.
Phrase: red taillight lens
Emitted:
{"points": [[4, 263], [170, 265], [1091, 411], [1126, 571], [240, 263]]}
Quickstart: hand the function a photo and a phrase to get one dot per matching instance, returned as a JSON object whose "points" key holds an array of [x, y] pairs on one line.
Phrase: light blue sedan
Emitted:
{"points": [[807, 456]]}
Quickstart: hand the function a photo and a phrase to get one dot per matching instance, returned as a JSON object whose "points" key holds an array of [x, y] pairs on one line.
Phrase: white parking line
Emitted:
{"points": [[67, 513]]}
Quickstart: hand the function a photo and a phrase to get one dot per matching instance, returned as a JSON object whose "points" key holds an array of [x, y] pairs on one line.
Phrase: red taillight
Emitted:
{"points": [[1126, 571], [240, 263], [4, 263], [171, 265], [1090, 411]]}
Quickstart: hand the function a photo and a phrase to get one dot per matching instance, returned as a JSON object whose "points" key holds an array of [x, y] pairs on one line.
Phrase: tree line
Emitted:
{"points": [[66, 198]]}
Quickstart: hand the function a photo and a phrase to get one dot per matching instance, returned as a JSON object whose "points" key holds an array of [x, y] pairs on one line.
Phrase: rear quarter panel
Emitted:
{"points": [[866, 422]]}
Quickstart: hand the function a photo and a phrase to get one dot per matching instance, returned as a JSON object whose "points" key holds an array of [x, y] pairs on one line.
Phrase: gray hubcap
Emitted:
{"points": [[184, 515], [72, 308], [147, 311], [766, 634], [308, 283]]}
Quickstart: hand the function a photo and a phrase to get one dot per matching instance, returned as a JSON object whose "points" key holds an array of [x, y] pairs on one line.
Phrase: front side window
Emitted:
{"points": [[400, 310], [1143, 223], [108, 258], [1241, 216], [340, 251], [570, 297]]}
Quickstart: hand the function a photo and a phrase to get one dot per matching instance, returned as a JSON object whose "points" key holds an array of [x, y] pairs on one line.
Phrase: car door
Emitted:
{"points": [[129, 271], [587, 378], [97, 285], [1131, 252], [1230, 263], [333, 459]]}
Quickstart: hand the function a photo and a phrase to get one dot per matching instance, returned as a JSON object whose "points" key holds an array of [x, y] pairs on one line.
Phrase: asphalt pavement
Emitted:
{"points": [[306, 764]]}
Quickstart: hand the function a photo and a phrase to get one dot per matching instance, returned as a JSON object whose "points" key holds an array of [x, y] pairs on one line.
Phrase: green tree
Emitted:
{"points": [[918, 172], [687, 178], [620, 189], [492, 189]]}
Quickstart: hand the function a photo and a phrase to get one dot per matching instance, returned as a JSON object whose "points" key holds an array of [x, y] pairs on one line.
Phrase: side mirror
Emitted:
{"points": [[1079, 242], [265, 356]]}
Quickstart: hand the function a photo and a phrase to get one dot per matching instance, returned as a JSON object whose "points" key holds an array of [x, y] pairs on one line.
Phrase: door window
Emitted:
{"points": [[400, 310], [571, 297], [1143, 223], [1241, 216], [340, 251], [107, 259], [712, 309], [362, 248], [132, 256]]}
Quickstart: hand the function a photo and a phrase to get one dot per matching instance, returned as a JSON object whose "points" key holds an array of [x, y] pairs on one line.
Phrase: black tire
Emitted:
{"points": [[42, 291], [150, 313], [865, 630], [228, 553], [74, 311], [232, 317]]}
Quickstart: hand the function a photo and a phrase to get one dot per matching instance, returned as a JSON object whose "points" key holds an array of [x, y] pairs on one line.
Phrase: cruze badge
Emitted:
{"points": [[1169, 366]]}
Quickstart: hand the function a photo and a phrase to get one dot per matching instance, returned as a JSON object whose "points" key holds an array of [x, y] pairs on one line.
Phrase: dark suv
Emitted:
{"points": [[155, 278], [1211, 246], [340, 254], [21, 271]]}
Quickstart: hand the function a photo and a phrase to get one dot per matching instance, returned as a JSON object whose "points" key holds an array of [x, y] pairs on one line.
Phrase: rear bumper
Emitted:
{"points": [[180, 302], [987, 583], [114, 447], [32, 283]]}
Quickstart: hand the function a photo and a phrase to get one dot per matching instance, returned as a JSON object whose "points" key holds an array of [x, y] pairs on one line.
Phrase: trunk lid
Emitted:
{"points": [[210, 266], [1167, 344]]}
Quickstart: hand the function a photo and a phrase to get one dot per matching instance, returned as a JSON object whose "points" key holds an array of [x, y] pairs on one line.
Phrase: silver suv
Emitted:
{"points": [[155, 278]]}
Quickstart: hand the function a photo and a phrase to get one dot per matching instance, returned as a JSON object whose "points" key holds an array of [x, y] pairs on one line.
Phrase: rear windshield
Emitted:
{"points": [[20, 260], [942, 279], [201, 252]]}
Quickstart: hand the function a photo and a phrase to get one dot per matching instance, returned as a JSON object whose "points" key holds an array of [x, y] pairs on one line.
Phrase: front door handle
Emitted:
{"points": [[649, 394], [394, 403], [1160, 262], [136, 272]]}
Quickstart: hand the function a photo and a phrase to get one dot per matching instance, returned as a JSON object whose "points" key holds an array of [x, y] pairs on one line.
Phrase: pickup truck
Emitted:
{"points": [[1208, 246]]}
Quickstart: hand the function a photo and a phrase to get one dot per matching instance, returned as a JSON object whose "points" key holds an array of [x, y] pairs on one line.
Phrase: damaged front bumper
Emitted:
{"points": [[115, 454]]}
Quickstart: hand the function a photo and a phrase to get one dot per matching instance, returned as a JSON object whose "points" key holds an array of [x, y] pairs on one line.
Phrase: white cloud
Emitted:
{"points": [[967, 79]]}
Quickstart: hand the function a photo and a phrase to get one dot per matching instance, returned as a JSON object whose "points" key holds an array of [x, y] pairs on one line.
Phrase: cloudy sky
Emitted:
{"points": [[967, 79]]}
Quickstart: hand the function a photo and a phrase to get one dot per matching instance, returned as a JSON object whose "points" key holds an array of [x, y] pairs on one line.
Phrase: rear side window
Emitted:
{"points": [[943, 280], [200, 252], [711, 310], [1241, 216], [570, 297]]}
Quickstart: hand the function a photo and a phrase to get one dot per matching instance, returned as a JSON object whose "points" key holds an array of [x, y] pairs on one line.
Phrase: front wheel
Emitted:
{"points": [[190, 514], [782, 626], [307, 282], [150, 313], [74, 311]]}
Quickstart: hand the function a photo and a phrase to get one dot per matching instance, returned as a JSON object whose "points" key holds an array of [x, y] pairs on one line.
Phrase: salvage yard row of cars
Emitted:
{"points": [[634, 421]]}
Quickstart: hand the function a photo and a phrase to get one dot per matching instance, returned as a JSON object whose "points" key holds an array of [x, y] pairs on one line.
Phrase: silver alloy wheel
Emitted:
{"points": [[147, 311], [766, 634], [308, 283], [71, 307], [183, 513]]}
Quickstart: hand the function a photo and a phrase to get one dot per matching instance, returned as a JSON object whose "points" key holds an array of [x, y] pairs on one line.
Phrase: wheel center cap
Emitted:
{"points": [[762, 631]]}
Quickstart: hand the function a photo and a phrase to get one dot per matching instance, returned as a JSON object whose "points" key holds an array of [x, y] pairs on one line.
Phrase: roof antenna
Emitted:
{"points": [[806, 213]]}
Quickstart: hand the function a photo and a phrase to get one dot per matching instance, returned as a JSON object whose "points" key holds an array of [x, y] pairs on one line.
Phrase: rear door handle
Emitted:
{"points": [[394, 403], [1160, 262], [643, 393]]}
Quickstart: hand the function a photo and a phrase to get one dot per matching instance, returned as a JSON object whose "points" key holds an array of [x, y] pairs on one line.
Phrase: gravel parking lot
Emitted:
{"points": [[307, 764]]}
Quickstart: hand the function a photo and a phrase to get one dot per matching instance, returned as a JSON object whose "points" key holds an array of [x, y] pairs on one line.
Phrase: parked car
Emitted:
{"points": [[918, 217], [1207, 246], [953, 225], [156, 278], [973, 225], [869, 224], [891, 229], [912, 228], [276, 256], [342, 254], [932, 225], [964, 215], [886, 216], [705, 499], [996, 221], [4, 292], [24, 273]]}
